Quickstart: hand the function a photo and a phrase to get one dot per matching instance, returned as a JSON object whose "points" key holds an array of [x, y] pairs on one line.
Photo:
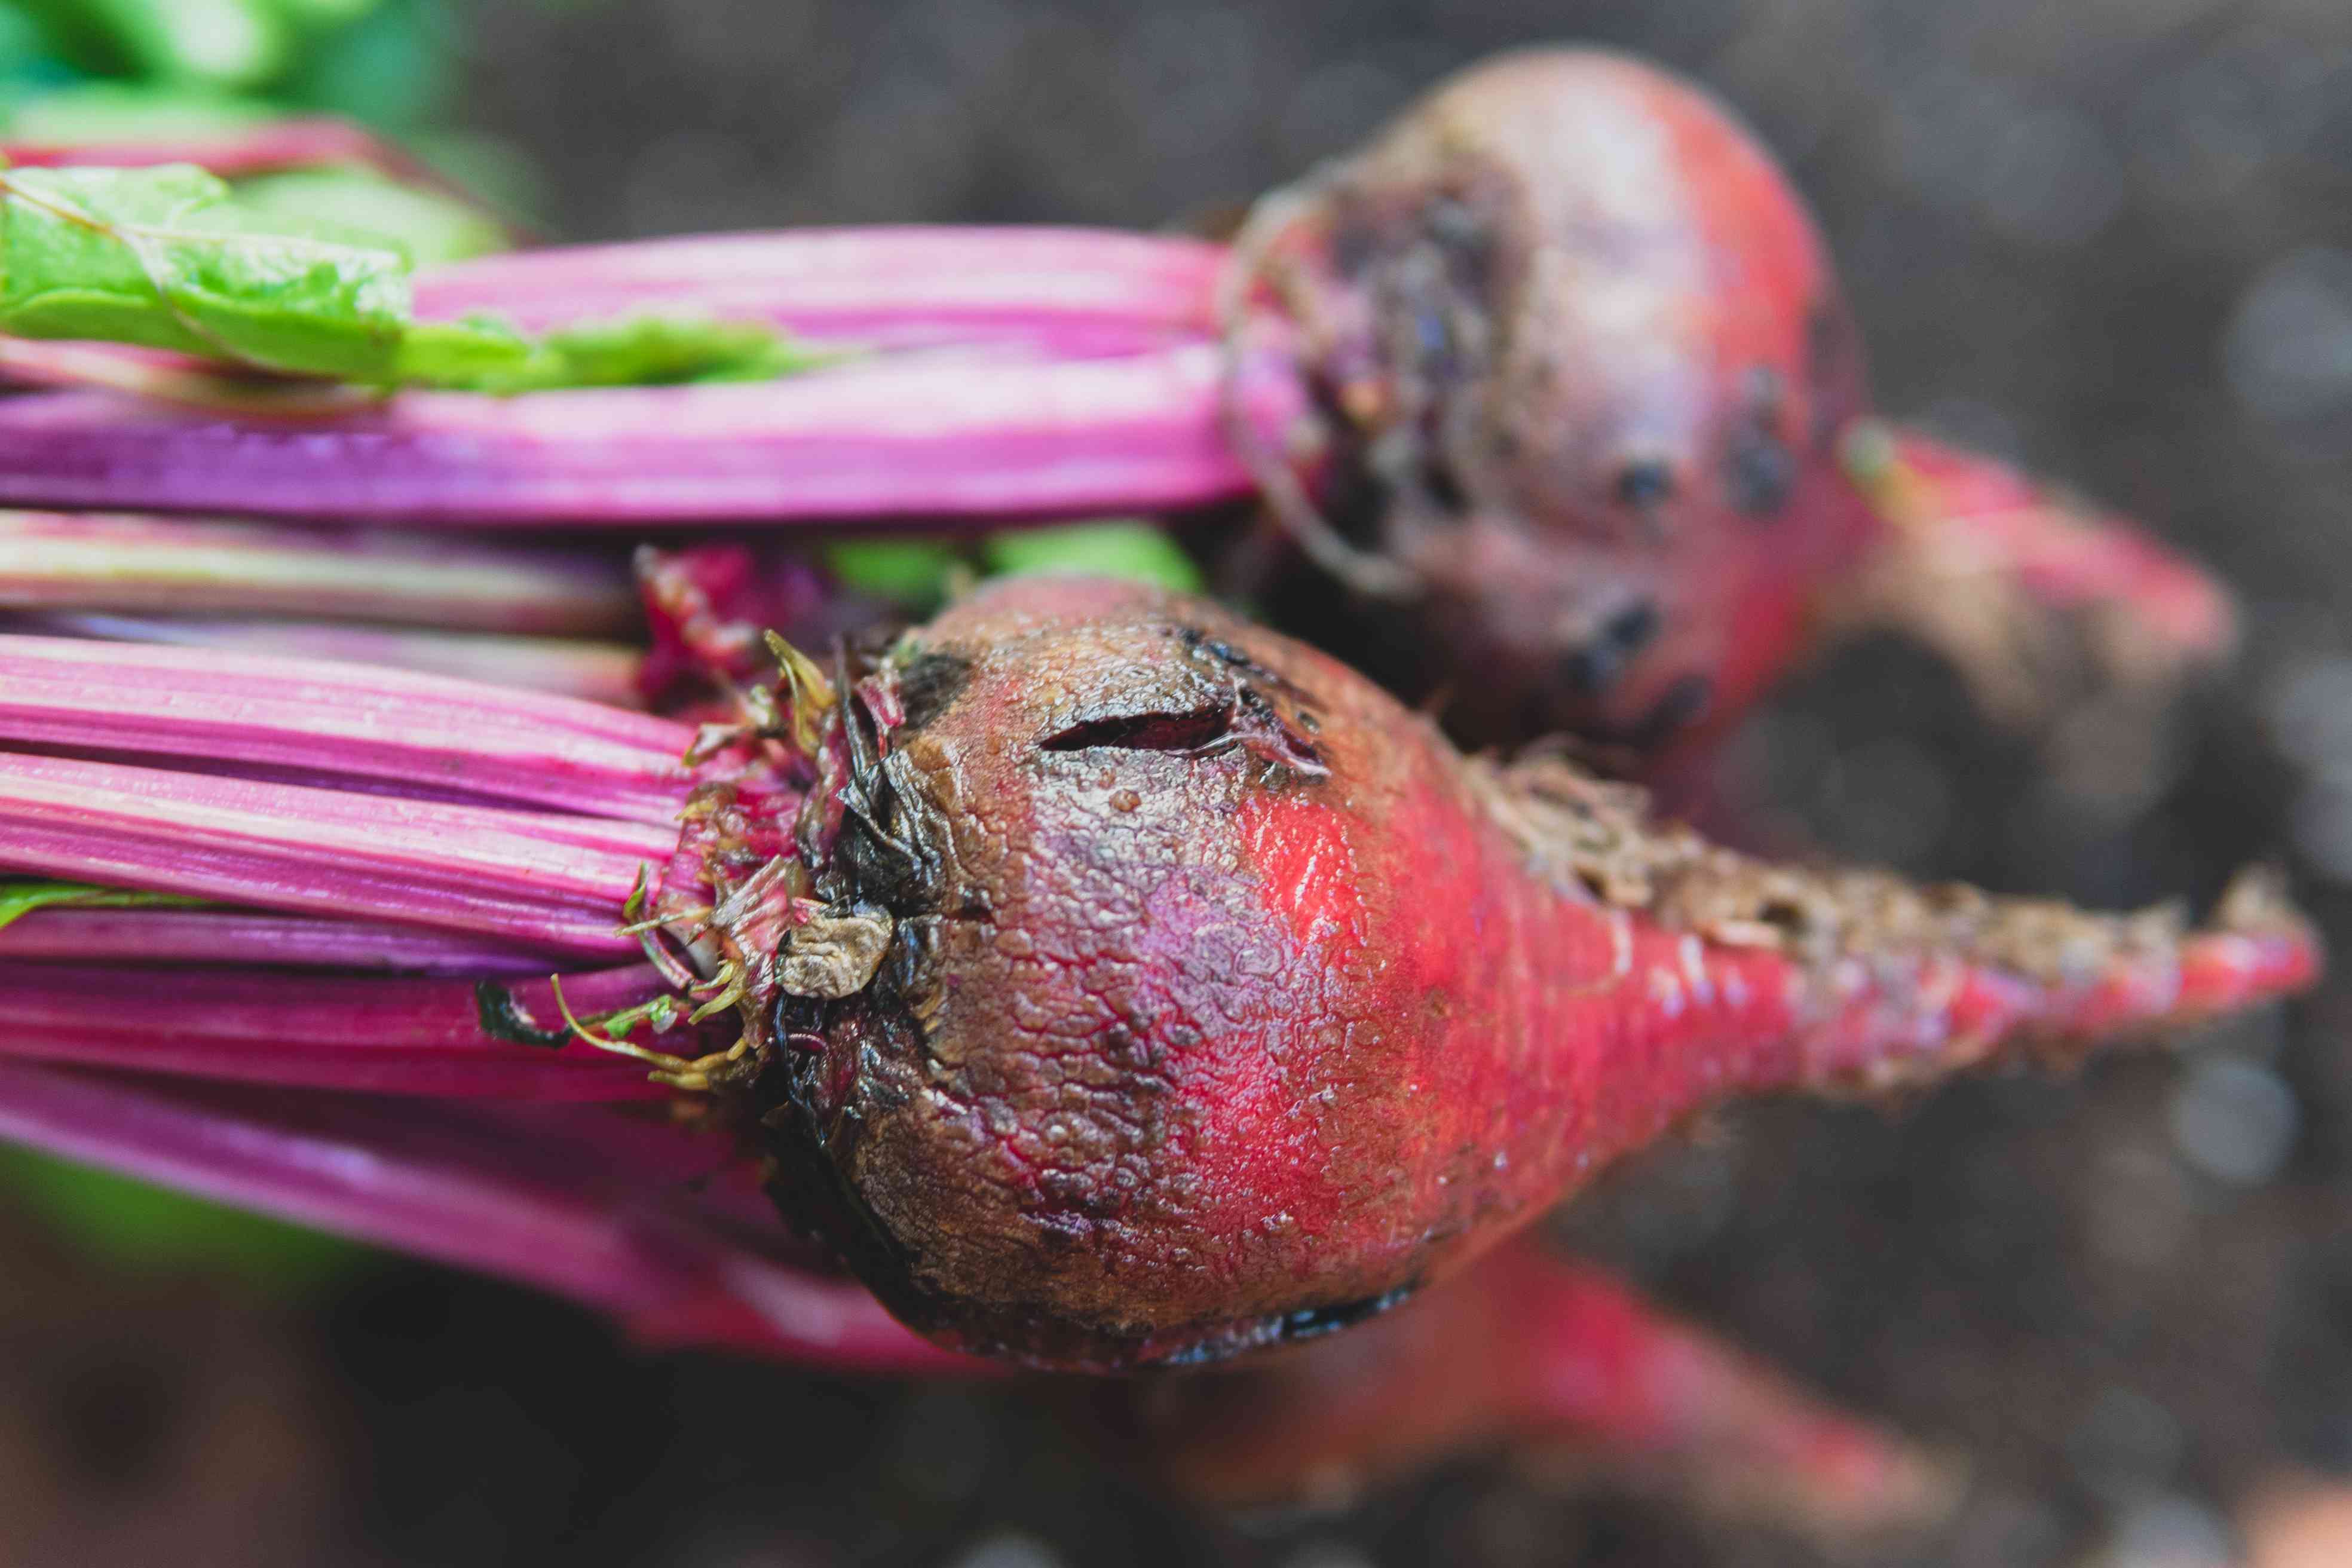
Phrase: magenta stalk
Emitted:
{"points": [[538, 878], [359, 862], [963, 434], [63, 933], [402, 1035], [436, 734]]}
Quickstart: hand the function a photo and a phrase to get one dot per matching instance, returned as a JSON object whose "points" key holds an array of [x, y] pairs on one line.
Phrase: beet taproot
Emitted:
{"points": [[1180, 992], [1547, 1361]]}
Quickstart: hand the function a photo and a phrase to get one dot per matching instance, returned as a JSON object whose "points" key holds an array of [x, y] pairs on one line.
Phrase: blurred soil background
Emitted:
{"points": [[2110, 239]]}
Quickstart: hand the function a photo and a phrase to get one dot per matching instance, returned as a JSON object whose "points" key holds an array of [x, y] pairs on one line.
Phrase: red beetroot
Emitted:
{"points": [[1584, 333], [1181, 993], [1589, 376]]}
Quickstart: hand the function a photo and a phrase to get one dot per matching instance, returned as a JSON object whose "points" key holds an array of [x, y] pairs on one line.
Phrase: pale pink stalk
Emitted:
{"points": [[478, 892], [579, 1199], [1074, 292], [535, 878], [438, 732], [601, 672], [964, 435], [187, 566]]}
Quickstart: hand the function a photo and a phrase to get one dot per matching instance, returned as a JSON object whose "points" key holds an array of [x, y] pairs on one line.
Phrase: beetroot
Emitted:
{"points": [[1176, 991], [1584, 335]]}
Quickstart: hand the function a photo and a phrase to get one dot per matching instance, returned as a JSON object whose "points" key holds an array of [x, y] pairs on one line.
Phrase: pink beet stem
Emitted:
{"points": [[600, 672], [393, 725], [963, 434], [1074, 292], [53, 561], [516, 876], [64, 934], [555, 1196], [436, 1075], [400, 1036]]}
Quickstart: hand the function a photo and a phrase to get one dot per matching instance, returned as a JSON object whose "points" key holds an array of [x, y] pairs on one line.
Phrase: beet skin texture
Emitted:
{"points": [[1225, 1004]]}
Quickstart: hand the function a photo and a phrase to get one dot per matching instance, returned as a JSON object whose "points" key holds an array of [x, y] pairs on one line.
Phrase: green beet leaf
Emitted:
{"points": [[641, 350], [18, 899], [168, 257], [161, 257], [1137, 551]]}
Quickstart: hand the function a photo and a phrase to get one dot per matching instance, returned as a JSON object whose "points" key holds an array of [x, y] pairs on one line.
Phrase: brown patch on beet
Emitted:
{"points": [[927, 682]]}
